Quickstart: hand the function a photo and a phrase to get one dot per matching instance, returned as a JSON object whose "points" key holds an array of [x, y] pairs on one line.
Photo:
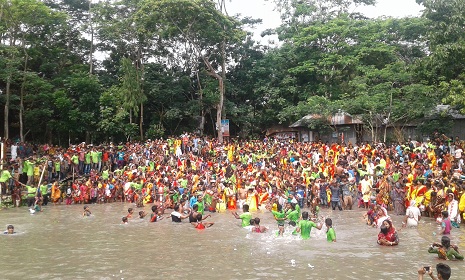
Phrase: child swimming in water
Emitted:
{"points": [[125, 220], [130, 212], [10, 229], [86, 212], [142, 214]]}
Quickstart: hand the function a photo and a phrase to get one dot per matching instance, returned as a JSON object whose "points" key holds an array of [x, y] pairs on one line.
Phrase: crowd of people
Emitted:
{"points": [[413, 179]]}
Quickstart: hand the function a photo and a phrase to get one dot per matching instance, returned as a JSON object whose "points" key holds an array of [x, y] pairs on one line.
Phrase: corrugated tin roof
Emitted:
{"points": [[341, 118], [447, 109]]}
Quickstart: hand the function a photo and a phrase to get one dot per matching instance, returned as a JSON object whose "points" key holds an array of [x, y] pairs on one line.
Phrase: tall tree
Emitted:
{"points": [[131, 91], [22, 22], [200, 26]]}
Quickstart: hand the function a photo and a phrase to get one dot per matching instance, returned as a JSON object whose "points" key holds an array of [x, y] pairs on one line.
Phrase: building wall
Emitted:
{"points": [[458, 129]]}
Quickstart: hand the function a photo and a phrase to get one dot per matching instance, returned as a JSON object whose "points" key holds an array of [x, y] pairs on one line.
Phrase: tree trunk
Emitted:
{"points": [[222, 89], [21, 100], [7, 107], [219, 110], [141, 122], [202, 111], [91, 52]]}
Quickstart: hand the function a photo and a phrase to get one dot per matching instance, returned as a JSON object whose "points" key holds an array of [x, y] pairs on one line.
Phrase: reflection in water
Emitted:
{"points": [[61, 244]]}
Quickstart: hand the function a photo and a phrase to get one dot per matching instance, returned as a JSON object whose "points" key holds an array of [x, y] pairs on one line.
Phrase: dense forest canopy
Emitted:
{"points": [[77, 70]]}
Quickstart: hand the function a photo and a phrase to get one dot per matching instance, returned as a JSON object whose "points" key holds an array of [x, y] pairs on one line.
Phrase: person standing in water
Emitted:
{"points": [[305, 226], [412, 215], [280, 217], [446, 224], [245, 217], [330, 233], [445, 250]]}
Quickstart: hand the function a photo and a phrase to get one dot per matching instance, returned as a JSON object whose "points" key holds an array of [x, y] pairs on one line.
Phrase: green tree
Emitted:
{"points": [[21, 21], [131, 91], [199, 26]]}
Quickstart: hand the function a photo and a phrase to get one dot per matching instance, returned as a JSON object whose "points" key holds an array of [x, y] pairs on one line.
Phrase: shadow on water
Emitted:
{"points": [[61, 244]]}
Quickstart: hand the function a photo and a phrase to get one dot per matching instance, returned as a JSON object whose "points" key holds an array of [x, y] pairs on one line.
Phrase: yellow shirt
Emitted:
{"points": [[427, 197], [462, 203]]}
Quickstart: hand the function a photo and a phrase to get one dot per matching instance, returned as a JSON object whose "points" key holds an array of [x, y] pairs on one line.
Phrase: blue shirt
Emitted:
{"points": [[192, 201]]}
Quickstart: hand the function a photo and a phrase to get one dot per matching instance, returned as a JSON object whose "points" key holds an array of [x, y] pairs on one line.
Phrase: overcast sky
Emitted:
{"points": [[264, 10]]}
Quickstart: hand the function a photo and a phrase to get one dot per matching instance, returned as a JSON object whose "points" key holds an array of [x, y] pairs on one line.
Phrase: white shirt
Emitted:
{"points": [[14, 151], [452, 208], [458, 153], [413, 213]]}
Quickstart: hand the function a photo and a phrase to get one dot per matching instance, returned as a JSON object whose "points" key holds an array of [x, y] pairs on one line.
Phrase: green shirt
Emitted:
{"points": [[105, 175], [450, 254], [57, 166], [246, 217], [87, 159], [293, 215], [137, 186], [75, 159], [43, 189], [330, 235], [305, 228], [279, 215], [25, 166], [31, 191], [201, 206], [94, 156], [5, 176], [30, 168]]}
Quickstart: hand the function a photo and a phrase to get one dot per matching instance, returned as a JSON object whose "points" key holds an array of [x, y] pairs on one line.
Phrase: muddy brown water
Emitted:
{"points": [[59, 243]]}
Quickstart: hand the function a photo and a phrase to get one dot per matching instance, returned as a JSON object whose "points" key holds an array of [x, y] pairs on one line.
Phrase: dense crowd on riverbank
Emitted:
{"points": [[256, 173]]}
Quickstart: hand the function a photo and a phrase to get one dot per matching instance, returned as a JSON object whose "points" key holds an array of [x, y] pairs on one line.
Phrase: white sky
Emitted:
{"points": [[264, 10]]}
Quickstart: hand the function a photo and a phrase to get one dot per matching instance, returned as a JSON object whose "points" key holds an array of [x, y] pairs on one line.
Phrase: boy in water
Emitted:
{"points": [[86, 212], [176, 216], [330, 233], [305, 226], [280, 217], [156, 214], [193, 214], [245, 217], [201, 225], [257, 227], [125, 220], [142, 214], [130, 212], [10, 229]]}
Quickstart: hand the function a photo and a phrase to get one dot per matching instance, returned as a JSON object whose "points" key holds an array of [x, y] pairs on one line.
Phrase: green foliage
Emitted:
{"points": [[168, 56], [131, 91], [155, 132]]}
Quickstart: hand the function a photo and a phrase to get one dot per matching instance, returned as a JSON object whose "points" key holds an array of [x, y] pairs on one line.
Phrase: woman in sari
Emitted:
{"points": [[56, 192], [388, 234]]}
